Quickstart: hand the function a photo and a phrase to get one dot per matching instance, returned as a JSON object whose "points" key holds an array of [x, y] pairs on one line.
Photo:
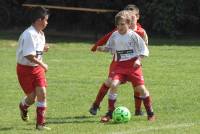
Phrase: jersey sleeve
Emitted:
{"points": [[28, 45], [110, 43], [140, 45], [102, 41], [145, 38]]}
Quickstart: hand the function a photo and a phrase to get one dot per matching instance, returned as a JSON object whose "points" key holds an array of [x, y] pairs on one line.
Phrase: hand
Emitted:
{"points": [[45, 67], [99, 48], [137, 63], [94, 48], [46, 48]]}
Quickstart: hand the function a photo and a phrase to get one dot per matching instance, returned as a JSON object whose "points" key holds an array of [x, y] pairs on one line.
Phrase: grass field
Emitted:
{"points": [[75, 74]]}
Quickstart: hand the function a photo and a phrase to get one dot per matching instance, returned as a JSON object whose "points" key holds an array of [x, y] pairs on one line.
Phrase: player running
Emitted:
{"points": [[31, 69]]}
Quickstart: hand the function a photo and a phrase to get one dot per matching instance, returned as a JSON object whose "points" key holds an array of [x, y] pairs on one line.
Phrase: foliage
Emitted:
{"points": [[172, 17], [161, 17]]}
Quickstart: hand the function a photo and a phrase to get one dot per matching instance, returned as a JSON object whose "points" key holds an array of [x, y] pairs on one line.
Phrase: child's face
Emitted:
{"points": [[136, 14], [42, 23], [133, 21], [122, 26]]}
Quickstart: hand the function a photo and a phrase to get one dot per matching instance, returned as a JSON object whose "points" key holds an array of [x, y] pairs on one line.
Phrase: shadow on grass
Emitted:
{"points": [[71, 119], [6, 128]]}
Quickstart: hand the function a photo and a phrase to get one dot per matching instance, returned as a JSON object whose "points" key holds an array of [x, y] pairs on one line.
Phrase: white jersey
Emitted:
{"points": [[31, 42], [127, 46]]}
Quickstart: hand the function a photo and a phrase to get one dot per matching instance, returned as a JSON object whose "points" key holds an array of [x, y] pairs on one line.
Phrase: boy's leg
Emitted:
{"points": [[41, 108], [111, 100], [136, 77], [147, 101], [25, 103], [138, 103], [101, 94]]}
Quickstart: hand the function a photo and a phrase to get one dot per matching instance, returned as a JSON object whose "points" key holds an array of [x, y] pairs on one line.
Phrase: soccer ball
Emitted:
{"points": [[121, 115]]}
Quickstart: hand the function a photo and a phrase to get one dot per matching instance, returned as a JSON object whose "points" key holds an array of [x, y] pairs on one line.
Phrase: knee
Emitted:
{"points": [[32, 100], [108, 82], [113, 85], [142, 90], [41, 93]]}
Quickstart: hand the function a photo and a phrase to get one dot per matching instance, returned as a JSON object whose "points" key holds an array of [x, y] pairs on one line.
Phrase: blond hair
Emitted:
{"points": [[123, 15]]}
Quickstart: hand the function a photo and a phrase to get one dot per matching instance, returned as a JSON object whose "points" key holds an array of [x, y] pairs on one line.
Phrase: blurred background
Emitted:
{"points": [[171, 18]]}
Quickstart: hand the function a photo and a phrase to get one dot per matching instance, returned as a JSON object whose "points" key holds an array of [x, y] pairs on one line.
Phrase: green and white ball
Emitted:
{"points": [[121, 115]]}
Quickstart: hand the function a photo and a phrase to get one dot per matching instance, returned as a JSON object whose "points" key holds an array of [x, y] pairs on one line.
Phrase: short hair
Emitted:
{"points": [[132, 7], [38, 13], [122, 15]]}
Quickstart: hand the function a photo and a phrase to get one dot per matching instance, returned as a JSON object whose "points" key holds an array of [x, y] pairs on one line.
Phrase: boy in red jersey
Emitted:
{"points": [[127, 47], [106, 85], [31, 69]]}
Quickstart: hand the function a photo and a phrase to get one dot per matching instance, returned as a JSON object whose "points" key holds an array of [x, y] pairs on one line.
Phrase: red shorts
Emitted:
{"points": [[31, 77], [124, 71]]}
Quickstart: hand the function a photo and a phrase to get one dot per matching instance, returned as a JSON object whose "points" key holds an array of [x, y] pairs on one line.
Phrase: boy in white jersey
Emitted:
{"points": [[30, 67], [134, 13], [126, 47]]}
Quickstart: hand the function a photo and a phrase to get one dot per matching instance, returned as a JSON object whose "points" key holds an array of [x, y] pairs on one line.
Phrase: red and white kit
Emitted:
{"points": [[126, 49], [30, 74]]}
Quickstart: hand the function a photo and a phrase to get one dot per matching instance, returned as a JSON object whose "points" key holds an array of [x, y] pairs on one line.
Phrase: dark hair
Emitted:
{"points": [[132, 7], [38, 13]]}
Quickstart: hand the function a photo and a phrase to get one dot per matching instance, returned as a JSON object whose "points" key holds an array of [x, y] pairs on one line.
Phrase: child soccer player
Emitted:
{"points": [[134, 10], [126, 47], [31, 69]]}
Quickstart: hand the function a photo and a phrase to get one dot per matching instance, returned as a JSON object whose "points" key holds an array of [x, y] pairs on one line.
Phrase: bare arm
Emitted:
{"points": [[102, 49], [145, 38], [33, 59], [46, 48]]}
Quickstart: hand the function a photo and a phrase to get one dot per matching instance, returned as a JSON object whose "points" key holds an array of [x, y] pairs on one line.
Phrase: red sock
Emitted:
{"points": [[41, 115], [138, 101], [148, 105], [111, 105], [102, 92]]}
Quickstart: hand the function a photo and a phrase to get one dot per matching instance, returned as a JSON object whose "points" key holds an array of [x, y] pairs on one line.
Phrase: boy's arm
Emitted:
{"points": [[103, 49], [32, 58], [108, 47], [46, 48], [102, 41], [145, 38], [142, 33], [141, 47]]}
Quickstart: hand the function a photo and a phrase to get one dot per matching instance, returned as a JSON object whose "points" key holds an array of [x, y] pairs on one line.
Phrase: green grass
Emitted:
{"points": [[74, 76]]}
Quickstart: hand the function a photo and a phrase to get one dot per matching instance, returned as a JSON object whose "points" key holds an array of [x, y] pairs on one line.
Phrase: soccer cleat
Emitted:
{"points": [[151, 118], [23, 113], [139, 113], [42, 127], [107, 117], [93, 109]]}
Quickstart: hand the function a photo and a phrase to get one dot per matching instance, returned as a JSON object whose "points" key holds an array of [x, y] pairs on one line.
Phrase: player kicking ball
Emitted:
{"points": [[126, 47], [135, 15], [31, 69]]}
